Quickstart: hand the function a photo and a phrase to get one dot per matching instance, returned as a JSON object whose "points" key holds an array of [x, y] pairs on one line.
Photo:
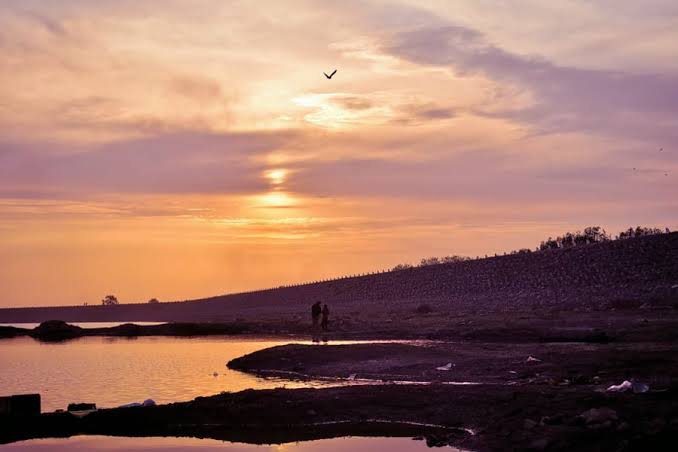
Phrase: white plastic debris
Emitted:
{"points": [[640, 388], [130, 405], [623, 387], [147, 402], [532, 359], [447, 366]]}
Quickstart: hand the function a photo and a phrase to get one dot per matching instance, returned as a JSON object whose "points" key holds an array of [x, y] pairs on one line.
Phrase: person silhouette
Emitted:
{"points": [[325, 317], [316, 312]]}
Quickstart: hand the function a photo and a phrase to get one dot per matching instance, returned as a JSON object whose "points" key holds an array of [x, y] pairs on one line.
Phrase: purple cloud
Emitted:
{"points": [[567, 98]]}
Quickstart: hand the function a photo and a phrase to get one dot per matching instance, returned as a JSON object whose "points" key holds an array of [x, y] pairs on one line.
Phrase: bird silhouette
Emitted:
{"points": [[330, 76]]}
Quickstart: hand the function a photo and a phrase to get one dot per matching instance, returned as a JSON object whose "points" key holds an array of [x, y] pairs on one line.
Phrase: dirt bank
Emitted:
{"points": [[598, 365]]}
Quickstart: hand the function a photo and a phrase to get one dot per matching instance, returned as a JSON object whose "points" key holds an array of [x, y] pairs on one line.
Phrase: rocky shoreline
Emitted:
{"points": [[529, 396]]}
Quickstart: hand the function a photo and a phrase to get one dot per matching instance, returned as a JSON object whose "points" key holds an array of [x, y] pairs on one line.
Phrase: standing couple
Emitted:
{"points": [[320, 318]]}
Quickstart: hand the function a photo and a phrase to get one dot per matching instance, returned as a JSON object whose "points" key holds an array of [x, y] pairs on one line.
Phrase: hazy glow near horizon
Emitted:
{"points": [[197, 148]]}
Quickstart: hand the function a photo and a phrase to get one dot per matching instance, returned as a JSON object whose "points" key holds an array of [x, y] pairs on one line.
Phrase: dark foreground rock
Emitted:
{"points": [[500, 417]]}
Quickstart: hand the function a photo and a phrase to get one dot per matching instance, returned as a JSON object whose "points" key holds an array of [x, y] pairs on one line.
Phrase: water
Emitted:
{"points": [[112, 371], [30, 326], [122, 444]]}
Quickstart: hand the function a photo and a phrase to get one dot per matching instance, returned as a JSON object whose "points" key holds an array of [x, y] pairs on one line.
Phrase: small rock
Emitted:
{"points": [[436, 441], [598, 416], [655, 426], [623, 427], [538, 444], [529, 424], [551, 420], [81, 406], [580, 380]]}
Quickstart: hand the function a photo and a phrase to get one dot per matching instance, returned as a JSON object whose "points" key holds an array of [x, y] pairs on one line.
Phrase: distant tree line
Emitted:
{"points": [[590, 235], [425, 262], [596, 234], [640, 232]]}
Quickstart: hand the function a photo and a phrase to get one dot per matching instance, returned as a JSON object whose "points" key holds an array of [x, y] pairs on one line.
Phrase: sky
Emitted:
{"points": [[185, 148]]}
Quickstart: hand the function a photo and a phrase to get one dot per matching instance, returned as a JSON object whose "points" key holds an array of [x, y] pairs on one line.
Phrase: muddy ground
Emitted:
{"points": [[556, 401], [500, 417], [436, 321]]}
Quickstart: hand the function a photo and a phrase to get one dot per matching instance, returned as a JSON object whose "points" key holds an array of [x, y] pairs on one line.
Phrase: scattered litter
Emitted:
{"points": [[623, 387], [81, 409], [81, 406], [532, 359], [147, 402], [447, 366], [640, 388], [130, 405], [352, 376]]}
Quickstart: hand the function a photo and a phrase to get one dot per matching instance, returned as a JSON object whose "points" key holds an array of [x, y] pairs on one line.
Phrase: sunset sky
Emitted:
{"points": [[185, 148]]}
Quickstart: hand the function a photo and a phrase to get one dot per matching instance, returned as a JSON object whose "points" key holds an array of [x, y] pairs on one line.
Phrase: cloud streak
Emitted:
{"points": [[175, 163]]}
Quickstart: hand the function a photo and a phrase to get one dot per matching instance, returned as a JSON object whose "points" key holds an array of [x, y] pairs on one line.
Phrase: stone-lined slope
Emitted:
{"points": [[623, 273]]}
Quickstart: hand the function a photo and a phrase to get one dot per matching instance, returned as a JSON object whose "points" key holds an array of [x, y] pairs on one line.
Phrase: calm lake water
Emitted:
{"points": [[106, 443], [114, 371]]}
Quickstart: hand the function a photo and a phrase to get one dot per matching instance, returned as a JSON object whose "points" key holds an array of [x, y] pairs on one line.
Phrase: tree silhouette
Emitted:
{"points": [[153, 301], [110, 300]]}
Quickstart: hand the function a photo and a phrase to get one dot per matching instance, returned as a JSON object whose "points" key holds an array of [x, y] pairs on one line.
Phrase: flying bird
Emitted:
{"points": [[330, 76]]}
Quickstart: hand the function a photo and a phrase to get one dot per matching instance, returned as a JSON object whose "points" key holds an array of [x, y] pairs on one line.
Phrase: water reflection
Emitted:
{"points": [[112, 371], [106, 443]]}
